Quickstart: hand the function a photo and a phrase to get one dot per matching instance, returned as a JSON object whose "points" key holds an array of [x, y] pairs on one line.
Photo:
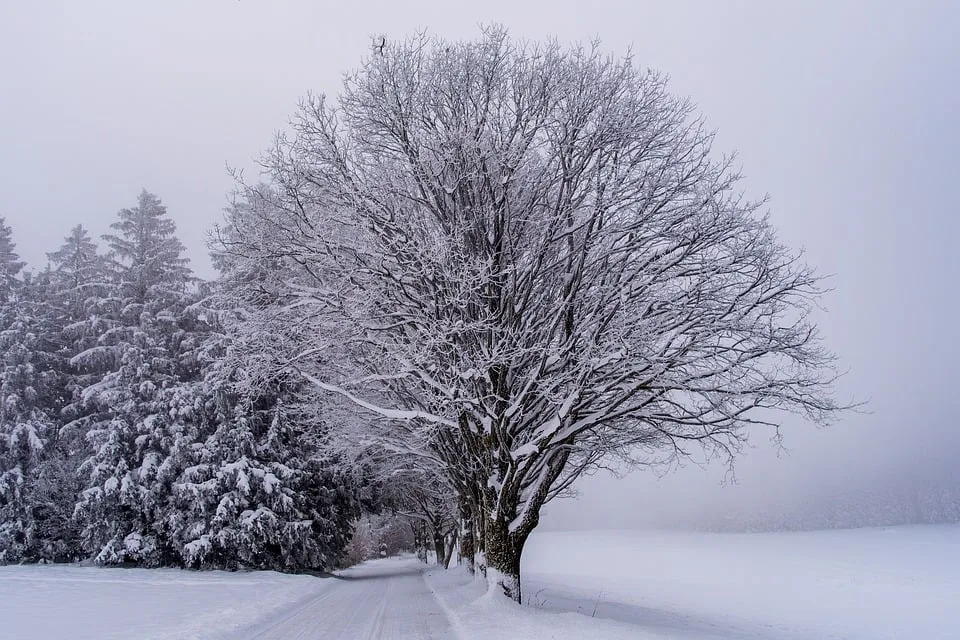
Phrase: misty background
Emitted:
{"points": [[844, 112]]}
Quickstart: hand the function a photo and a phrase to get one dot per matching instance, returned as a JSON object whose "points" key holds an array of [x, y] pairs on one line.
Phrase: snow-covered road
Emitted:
{"points": [[381, 599]]}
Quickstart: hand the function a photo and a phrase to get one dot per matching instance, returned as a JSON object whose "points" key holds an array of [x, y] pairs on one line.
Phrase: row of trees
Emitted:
{"points": [[484, 270], [518, 261], [135, 425]]}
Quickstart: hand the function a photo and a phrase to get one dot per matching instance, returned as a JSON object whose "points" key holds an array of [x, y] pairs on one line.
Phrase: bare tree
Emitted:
{"points": [[524, 259], [424, 497]]}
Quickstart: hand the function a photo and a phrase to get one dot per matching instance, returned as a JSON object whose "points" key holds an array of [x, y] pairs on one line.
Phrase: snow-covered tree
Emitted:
{"points": [[25, 426], [433, 503], [129, 414], [420, 493], [148, 262], [59, 309], [258, 494], [524, 259], [81, 307], [79, 276], [10, 264], [259, 486], [81, 295]]}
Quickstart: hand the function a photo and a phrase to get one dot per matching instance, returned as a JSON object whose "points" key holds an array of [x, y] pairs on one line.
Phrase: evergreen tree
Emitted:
{"points": [[82, 310], [259, 491], [25, 428], [141, 421], [128, 423], [10, 264], [78, 275], [147, 258], [65, 303], [261, 487]]}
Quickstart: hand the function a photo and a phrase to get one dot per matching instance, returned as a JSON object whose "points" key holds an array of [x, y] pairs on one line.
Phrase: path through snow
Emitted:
{"points": [[380, 599]]}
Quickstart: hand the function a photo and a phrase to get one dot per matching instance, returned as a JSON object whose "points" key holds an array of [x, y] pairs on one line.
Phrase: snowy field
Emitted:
{"points": [[895, 583]]}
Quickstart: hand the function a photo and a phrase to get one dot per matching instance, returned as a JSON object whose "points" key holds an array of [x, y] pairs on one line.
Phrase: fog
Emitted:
{"points": [[845, 113]]}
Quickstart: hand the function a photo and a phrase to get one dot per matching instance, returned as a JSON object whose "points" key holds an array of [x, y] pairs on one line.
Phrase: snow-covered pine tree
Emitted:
{"points": [[25, 428], [147, 257], [262, 488], [71, 303], [82, 309], [80, 292], [10, 265], [128, 421], [259, 493], [79, 274]]}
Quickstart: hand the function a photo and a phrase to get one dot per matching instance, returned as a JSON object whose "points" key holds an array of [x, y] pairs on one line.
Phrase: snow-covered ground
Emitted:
{"points": [[895, 583], [87, 603]]}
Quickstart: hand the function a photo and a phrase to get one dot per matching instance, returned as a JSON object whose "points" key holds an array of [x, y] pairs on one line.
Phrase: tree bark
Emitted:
{"points": [[449, 551], [467, 548], [479, 543], [502, 549], [419, 539], [438, 545]]}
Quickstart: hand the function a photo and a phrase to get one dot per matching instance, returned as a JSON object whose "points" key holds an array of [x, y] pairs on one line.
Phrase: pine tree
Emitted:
{"points": [[10, 264], [25, 428], [147, 258], [64, 303], [82, 309], [78, 275], [259, 492], [260, 487], [128, 423]]}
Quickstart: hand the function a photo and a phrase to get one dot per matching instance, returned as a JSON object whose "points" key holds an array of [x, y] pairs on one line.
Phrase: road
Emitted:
{"points": [[382, 599]]}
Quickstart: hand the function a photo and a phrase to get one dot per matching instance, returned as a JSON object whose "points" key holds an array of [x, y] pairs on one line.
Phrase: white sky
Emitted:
{"points": [[845, 112]]}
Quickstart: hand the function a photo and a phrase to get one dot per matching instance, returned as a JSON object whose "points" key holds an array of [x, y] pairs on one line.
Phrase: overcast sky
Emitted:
{"points": [[844, 112]]}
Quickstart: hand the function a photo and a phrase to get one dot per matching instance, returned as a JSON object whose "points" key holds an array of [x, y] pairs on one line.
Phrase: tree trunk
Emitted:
{"points": [[467, 548], [502, 549], [479, 544], [438, 545], [449, 554], [419, 540]]}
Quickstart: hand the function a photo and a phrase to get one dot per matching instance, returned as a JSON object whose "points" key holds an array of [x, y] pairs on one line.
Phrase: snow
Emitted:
{"points": [[859, 584], [856, 584], [378, 600], [393, 414], [480, 613], [87, 603]]}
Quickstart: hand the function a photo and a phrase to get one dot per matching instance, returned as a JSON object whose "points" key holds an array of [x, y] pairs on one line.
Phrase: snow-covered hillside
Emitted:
{"points": [[861, 584]]}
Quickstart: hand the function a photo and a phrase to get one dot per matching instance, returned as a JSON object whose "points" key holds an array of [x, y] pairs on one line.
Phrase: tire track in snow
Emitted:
{"points": [[377, 627], [456, 626], [267, 628]]}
